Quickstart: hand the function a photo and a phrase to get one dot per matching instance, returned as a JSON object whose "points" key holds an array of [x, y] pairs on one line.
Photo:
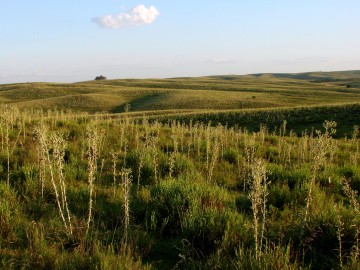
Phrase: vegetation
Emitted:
{"points": [[205, 93], [109, 193], [101, 77], [181, 189]]}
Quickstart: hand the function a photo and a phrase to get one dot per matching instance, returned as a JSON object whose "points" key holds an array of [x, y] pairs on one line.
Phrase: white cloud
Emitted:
{"points": [[139, 15]]}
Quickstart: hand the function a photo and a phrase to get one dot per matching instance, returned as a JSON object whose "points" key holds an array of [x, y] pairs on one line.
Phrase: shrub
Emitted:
{"points": [[99, 78]]}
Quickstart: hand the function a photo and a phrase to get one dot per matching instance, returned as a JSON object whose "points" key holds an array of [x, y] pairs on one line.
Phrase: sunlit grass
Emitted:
{"points": [[216, 93]]}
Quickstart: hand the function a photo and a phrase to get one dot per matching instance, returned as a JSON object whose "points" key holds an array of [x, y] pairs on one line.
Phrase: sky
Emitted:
{"points": [[70, 41]]}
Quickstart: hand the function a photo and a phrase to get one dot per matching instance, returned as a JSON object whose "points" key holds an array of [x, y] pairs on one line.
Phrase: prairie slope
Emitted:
{"points": [[206, 93]]}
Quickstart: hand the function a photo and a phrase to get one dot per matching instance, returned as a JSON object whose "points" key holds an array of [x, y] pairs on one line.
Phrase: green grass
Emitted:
{"points": [[176, 132], [298, 119], [179, 216], [305, 100], [210, 93]]}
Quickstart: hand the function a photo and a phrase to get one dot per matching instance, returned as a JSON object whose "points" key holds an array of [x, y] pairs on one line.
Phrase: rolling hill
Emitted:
{"points": [[215, 92], [227, 99]]}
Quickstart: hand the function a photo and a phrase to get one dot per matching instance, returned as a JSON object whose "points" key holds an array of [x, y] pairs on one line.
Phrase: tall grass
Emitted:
{"points": [[93, 139], [258, 197], [95, 191], [54, 161]]}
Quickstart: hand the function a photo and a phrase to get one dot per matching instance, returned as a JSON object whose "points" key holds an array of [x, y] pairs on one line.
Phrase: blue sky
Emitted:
{"points": [[67, 41]]}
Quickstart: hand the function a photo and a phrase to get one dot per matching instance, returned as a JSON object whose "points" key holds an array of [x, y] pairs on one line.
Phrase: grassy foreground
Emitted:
{"points": [[103, 192]]}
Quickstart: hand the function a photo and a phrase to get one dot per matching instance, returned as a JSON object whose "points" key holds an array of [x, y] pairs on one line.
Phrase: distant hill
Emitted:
{"points": [[231, 92], [349, 78]]}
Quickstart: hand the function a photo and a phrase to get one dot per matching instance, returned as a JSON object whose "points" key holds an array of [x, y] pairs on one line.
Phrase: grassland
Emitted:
{"points": [[215, 96], [217, 92], [223, 172], [80, 192]]}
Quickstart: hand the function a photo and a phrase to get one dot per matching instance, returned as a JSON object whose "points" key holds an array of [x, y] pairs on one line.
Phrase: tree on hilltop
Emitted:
{"points": [[101, 77]]}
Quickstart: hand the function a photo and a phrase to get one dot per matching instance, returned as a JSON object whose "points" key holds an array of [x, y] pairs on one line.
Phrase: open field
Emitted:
{"points": [[222, 172], [215, 93], [111, 192], [222, 99]]}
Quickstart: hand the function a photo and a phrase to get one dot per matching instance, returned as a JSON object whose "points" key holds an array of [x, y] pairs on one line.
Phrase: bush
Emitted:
{"points": [[101, 77]]}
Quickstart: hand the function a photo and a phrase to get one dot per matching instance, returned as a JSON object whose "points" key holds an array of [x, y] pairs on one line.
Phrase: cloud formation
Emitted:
{"points": [[139, 15]]}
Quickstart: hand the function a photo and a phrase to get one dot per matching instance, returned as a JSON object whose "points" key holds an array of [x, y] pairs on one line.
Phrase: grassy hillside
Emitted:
{"points": [[217, 92], [304, 100], [336, 77], [223, 172]]}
